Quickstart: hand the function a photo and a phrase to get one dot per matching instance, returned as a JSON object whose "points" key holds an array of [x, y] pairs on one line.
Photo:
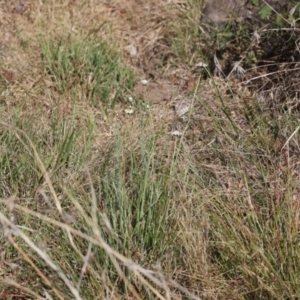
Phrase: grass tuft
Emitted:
{"points": [[114, 189], [95, 68]]}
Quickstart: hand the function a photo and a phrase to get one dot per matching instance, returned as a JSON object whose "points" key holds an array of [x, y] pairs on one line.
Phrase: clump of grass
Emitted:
{"points": [[135, 193], [183, 35], [256, 247], [94, 68], [251, 180], [85, 218]]}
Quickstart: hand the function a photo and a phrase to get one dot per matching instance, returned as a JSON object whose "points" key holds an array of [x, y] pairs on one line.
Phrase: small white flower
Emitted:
{"points": [[129, 111], [201, 65], [144, 82], [130, 99], [176, 133]]}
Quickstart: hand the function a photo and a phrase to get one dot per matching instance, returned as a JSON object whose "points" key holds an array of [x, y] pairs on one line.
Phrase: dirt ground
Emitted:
{"points": [[176, 91], [140, 28]]}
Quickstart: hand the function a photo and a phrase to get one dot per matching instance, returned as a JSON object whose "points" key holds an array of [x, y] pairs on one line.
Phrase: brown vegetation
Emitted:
{"points": [[192, 173]]}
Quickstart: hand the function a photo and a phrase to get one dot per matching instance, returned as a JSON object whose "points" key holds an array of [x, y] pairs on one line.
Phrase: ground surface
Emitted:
{"points": [[191, 175]]}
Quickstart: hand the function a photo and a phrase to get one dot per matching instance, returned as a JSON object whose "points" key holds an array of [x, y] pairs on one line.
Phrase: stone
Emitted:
{"points": [[218, 12]]}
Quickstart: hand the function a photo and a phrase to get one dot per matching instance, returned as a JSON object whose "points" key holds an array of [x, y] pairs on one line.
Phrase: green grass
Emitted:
{"points": [[98, 204], [93, 67], [121, 195]]}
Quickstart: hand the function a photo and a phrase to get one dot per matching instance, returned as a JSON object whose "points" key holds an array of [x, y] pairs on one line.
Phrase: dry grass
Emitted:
{"points": [[108, 190]]}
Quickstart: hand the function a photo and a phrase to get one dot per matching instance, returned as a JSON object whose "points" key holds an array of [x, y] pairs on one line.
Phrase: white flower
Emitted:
{"points": [[176, 133], [201, 65], [129, 111], [144, 82]]}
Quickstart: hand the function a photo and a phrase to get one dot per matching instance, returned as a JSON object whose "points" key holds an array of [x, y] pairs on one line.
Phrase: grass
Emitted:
{"points": [[121, 196], [95, 67], [96, 203]]}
